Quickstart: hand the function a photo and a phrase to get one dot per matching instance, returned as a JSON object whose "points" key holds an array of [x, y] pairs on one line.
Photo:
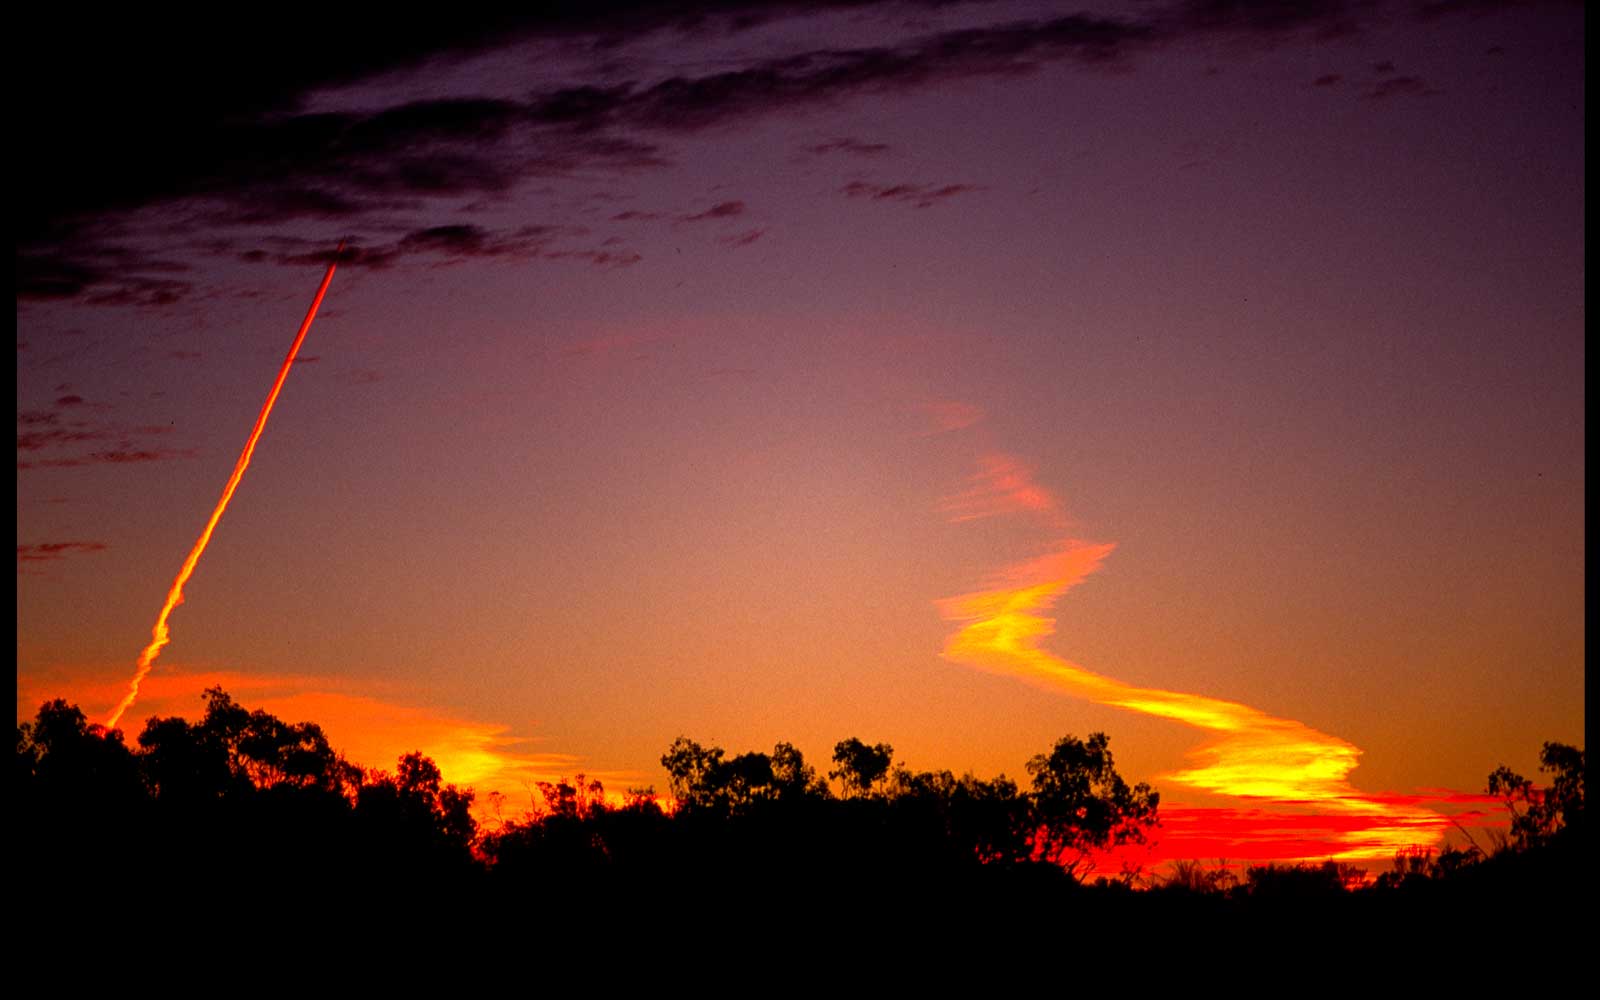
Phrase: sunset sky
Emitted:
{"points": [[956, 375]]}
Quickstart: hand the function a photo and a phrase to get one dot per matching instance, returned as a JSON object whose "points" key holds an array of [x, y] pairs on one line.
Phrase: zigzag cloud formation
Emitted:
{"points": [[1249, 754]]}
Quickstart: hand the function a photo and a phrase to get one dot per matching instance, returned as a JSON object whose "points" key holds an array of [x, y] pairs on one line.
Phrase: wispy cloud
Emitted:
{"points": [[1003, 484], [721, 210], [444, 245], [1398, 86], [254, 152], [916, 195], [48, 438], [49, 551], [117, 456], [845, 144]]}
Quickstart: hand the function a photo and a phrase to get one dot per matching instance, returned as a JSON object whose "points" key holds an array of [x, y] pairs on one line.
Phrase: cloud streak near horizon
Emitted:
{"points": [[368, 724]]}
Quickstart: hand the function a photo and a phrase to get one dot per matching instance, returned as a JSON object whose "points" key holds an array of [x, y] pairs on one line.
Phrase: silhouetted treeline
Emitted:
{"points": [[244, 808], [238, 799]]}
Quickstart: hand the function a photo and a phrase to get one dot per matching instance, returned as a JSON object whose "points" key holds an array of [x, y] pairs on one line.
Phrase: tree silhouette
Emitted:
{"points": [[969, 819], [1302, 881], [576, 799], [1540, 816], [692, 772], [182, 764], [1192, 876], [1083, 806], [792, 777], [64, 758], [233, 749], [860, 767], [707, 780], [245, 819], [80, 807]]}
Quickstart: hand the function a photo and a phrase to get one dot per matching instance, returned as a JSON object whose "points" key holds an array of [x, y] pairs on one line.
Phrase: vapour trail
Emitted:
{"points": [[159, 635], [1250, 753]]}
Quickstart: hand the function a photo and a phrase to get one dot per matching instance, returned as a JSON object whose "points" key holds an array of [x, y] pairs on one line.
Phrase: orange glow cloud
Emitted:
{"points": [[1238, 837], [369, 729], [1250, 754]]}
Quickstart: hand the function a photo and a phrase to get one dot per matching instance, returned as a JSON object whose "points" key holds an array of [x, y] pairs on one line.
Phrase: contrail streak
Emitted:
{"points": [[159, 635]]}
